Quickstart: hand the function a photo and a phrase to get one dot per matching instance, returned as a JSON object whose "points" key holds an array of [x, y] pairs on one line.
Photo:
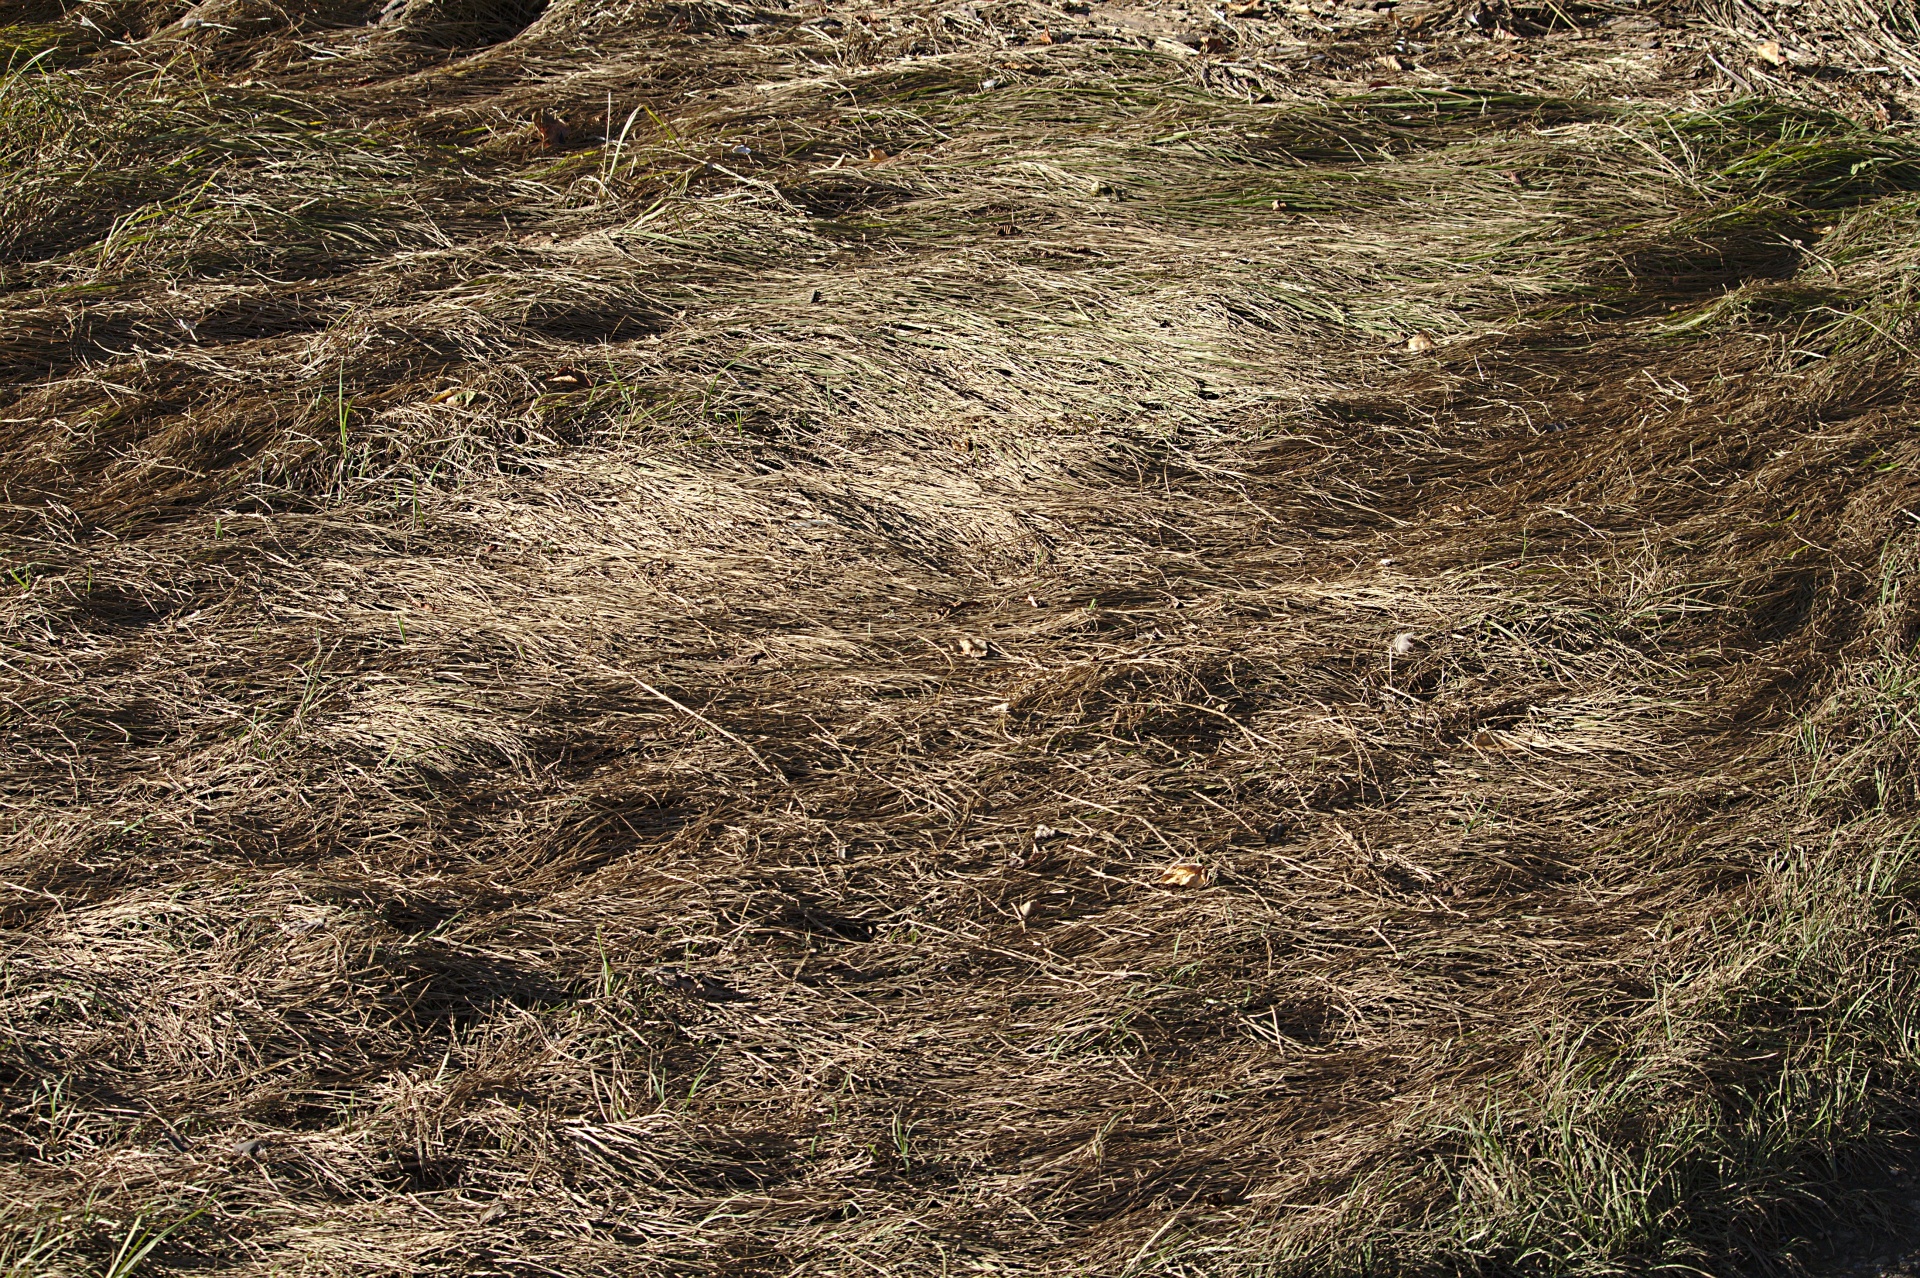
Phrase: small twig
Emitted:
{"points": [[695, 715], [1744, 86]]}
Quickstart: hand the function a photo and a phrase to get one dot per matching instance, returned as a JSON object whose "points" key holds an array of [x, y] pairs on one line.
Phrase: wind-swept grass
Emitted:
{"points": [[710, 639]]}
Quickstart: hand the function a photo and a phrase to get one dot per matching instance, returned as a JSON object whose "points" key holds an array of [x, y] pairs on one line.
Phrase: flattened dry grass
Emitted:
{"points": [[615, 612]]}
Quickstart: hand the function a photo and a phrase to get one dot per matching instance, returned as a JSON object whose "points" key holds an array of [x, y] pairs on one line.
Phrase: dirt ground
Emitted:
{"points": [[814, 639]]}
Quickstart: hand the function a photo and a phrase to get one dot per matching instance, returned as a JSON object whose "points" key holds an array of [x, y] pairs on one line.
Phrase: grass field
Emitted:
{"points": [[1122, 639]]}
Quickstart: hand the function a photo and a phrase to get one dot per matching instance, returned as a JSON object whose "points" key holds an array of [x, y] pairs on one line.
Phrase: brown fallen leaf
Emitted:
{"points": [[553, 132], [1183, 874], [1768, 51]]}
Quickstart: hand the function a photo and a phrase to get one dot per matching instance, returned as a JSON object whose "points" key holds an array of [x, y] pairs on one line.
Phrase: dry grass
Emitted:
{"points": [[616, 613]]}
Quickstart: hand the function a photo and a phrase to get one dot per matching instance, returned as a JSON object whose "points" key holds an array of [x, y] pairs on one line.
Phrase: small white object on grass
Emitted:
{"points": [[971, 647], [1404, 644]]}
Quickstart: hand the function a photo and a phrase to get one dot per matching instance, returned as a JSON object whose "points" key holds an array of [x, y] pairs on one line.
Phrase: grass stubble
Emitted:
{"points": [[614, 611]]}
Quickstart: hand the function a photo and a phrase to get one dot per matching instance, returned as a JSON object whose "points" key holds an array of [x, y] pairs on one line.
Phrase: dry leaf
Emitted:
{"points": [[1420, 343], [1247, 9], [1183, 874], [1768, 51]]}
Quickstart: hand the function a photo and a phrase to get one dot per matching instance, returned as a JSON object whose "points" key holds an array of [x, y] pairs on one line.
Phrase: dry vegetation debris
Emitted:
{"points": [[1118, 638]]}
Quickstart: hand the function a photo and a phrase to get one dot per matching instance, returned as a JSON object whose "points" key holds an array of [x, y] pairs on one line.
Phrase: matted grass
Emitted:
{"points": [[696, 639]]}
